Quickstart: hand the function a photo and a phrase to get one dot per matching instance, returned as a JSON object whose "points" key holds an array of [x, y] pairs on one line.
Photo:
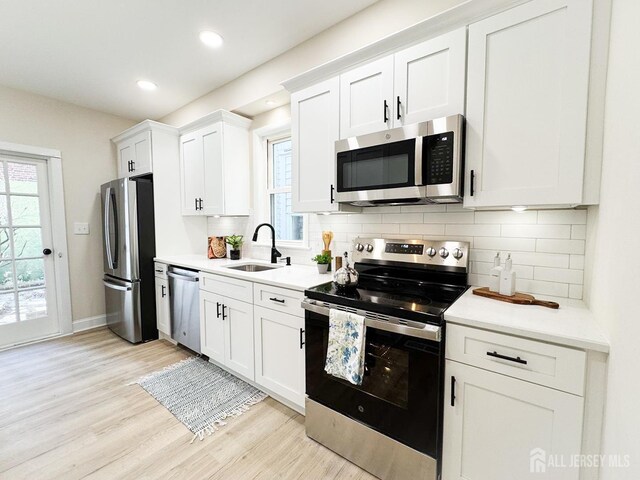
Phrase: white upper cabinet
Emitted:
{"points": [[366, 95], [314, 130], [429, 79], [527, 95], [214, 165], [134, 150]]}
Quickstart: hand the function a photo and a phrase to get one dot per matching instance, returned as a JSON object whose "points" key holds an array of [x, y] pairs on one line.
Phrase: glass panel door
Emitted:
{"points": [[27, 297]]}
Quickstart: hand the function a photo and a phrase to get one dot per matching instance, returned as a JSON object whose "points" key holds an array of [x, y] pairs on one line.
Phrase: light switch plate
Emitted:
{"points": [[80, 228]]}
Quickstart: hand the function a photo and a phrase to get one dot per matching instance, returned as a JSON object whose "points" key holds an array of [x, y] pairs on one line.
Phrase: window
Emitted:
{"points": [[290, 227]]}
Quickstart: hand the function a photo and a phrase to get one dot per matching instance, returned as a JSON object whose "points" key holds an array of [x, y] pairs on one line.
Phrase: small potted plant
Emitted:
{"points": [[235, 242], [323, 260]]}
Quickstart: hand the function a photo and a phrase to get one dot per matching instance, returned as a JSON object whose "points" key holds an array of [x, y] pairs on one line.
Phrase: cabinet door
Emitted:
{"points": [[280, 353], [141, 154], [192, 173], [212, 331], [237, 317], [501, 428], [213, 195], [314, 130], [527, 89], [429, 79], [162, 306], [366, 98], [125, 157]]}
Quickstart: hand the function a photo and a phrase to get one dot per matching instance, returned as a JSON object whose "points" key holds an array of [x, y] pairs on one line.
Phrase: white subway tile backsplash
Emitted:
{"points": [[505, 244], [562, 217], [473, 230], [449, 217], [562, 275], [402, 218], [508, 217], [547, 246], [560, 246], [537, 231]]}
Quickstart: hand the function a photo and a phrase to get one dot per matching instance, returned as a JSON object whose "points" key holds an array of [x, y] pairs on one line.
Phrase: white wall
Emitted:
{"points": [[83, 137], [615, 240], [367, 26]]}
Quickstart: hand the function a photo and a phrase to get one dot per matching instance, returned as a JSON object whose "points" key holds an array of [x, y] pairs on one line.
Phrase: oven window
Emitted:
{"points": [[384, 166], [386, 374]]}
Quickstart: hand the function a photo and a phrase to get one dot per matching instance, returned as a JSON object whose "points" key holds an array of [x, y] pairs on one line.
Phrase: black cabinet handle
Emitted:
{"points": [[224, 315], [47, 251], [386, 109], [332, 190], [301, 338], [218, 309], [398, 105], [164, 291], [274, 299], [505, 357], [472, 183], [196, 202], [133, 166], [199, 204], [453, 391]]}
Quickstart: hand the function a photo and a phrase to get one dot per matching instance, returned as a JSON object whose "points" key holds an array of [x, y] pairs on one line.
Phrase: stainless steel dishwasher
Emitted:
{"points": [[184, 300]]}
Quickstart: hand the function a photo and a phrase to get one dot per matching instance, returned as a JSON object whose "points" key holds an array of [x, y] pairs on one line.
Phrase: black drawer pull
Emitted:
{"points": [[505, 357], [274, 299]]}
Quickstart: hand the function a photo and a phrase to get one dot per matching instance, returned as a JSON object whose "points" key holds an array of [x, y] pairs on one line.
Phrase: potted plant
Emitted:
{"points": [[323, 260], [235, 242]]}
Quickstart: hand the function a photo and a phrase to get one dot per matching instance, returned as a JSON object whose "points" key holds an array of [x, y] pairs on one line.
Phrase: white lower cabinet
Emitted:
{"points": [[280, 353], [162, 306], [226, 332]]}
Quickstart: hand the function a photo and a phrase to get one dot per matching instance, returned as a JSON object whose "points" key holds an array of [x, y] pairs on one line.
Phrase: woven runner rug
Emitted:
{"points": [[200, 394]]}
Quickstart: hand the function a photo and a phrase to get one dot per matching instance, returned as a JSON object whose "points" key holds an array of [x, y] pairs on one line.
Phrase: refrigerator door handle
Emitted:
{"points": [[116, 224], [116, 287], [107, 228]]}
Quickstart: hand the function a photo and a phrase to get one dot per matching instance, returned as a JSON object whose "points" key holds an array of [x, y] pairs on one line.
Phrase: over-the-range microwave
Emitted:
{"points": [[416, 164]]}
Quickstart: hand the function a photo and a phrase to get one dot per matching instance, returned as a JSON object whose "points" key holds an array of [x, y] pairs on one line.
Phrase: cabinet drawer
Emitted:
{"points": [[280, 299], [537, 362], [160, 270], [227, 286]]}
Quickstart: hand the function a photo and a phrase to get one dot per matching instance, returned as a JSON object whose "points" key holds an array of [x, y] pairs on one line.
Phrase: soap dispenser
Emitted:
{"points": [[496, 271], [508, 278]]}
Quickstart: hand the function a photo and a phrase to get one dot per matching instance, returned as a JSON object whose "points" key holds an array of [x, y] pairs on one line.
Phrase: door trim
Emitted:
{"points": [[53, 160]]}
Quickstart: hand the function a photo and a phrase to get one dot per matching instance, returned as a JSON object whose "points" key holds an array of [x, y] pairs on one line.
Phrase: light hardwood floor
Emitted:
{"points": [[66, 412]]}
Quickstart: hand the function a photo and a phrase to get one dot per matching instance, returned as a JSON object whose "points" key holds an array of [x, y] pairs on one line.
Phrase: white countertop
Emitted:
{"points": [[572, 324], [295, 277]]}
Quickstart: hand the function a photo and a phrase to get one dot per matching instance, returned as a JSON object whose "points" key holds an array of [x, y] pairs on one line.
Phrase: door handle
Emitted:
{"points": [[164, 291], [116, 287], [224, 315], [218, 309], [47, 251], [182, 277], [200, 203], [386, 109], [332, 190], [196, 202], [398, 105], [472, 183], [133, 166], [453, 391], [302, 342]]}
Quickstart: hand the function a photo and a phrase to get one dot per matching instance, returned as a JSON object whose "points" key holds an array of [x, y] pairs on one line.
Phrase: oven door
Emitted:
{"points": [[400, 395]]}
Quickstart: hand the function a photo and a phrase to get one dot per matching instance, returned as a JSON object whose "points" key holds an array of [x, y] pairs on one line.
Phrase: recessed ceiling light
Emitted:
{"points": [[146, 85], [211, 39], [518, 208], [270, 102]]}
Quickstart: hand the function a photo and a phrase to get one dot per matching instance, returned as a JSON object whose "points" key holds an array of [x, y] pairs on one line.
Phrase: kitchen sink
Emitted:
{"points": [[253, 267]]}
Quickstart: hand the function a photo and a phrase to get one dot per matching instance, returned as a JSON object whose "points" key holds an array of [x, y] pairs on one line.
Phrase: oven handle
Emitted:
{"points": [[427, 331]]}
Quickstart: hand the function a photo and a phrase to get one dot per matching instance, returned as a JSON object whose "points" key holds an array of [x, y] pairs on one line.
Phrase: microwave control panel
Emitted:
{"points": [[437, 157]]}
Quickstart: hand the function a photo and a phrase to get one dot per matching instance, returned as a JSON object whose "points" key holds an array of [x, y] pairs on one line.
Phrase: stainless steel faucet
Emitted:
{"points": [[274, 251]]}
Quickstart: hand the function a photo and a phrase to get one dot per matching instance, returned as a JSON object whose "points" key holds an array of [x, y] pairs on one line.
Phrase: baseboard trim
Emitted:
{"points": [[89, 323]]}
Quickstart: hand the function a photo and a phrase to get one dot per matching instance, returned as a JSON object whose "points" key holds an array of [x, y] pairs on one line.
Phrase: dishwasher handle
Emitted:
{"points": [[183, 277]]}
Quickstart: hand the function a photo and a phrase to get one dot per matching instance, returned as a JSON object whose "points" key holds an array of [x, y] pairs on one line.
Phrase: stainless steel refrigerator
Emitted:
{"points": [[128, 252]]}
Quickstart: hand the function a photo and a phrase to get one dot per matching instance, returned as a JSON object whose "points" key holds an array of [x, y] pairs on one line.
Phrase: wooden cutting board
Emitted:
{"points": [[518, 298]]}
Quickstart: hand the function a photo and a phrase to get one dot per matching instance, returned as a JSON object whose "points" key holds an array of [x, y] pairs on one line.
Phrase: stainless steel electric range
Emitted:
{"points": [[391, 424]]}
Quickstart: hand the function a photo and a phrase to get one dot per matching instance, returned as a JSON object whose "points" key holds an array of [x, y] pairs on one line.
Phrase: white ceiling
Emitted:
{"points": [[91, 52]]}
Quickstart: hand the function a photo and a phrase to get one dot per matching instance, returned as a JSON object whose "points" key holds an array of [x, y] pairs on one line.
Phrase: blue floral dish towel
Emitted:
{"points": [[345, 352]]}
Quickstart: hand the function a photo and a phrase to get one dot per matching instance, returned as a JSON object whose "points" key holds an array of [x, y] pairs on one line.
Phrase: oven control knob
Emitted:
{"points": [[359, 247], [444, 253], [457, 254], [369, 248], [431, 251]]}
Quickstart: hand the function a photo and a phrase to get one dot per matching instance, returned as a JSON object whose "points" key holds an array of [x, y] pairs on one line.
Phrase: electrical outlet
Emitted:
{"points": [[80, 228]]}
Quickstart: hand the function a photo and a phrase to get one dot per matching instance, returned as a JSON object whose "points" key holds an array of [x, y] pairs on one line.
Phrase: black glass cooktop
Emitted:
{"points": [[422, 301]]}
